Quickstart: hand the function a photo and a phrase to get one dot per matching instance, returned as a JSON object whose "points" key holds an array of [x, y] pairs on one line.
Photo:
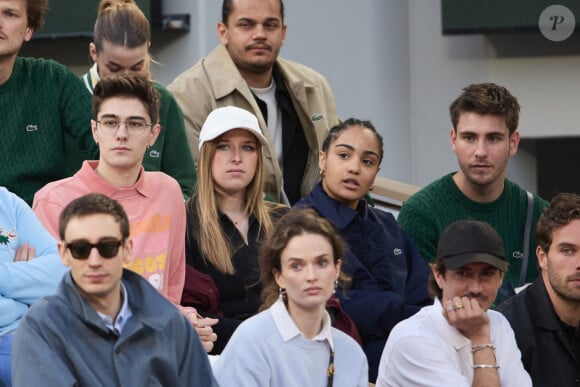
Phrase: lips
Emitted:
{"points": [[95, 277], [351, 183], [312, 291], [259, 47], [235, 171]]}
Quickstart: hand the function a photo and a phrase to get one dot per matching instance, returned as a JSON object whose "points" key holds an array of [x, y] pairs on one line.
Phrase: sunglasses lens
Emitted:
{"points": [[80, 250], [108, 249]]}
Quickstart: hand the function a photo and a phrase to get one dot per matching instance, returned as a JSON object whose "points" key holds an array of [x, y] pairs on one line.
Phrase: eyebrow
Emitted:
{"points": [[118, 118], [109, 63], [351, 148]]}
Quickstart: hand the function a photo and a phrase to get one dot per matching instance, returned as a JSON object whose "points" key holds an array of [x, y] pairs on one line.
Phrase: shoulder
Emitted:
{"points": [[56, 190], [47, 69], [431, 192], [499, 321], [158, 180], [296, 70]]}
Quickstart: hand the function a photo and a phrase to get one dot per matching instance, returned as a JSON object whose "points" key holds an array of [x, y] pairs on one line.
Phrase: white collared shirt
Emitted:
{"points": [[122, 317]]}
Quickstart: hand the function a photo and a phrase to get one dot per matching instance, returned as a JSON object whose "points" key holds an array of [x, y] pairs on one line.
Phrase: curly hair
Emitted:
{"points": [[564, 208]]}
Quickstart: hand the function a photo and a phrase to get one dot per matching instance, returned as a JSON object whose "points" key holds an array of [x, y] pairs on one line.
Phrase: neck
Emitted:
{"points": [[479, 193], [6, 68], [309, 322], [232, 205], [117, 177], [257, 80], [567, 310], [110, 306]]}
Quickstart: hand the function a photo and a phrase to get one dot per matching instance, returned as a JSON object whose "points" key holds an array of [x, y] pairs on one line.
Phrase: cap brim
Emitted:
{"points": [[458, 261]]}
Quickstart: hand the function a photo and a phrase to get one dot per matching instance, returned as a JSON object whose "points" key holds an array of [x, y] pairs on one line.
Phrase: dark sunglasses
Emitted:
{"points": [[82, 249]]}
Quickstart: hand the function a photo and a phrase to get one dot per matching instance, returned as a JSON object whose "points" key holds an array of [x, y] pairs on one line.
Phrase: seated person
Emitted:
{"points": [[458, 341], [226, 221], [126, 113], [389, 276], [121, 41], [292, 343], [29, 269], [484, 136], [106, 325], [42, 103], [546, 315]]}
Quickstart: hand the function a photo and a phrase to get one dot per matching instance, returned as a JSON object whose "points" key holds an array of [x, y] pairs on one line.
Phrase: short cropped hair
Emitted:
{"points": [[91, 204], [487, 99], [227, 9], [564, 208], [127, 86]]}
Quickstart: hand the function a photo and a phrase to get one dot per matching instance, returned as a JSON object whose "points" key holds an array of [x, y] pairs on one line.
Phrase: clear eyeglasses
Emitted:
{"points": [[133, 126]]}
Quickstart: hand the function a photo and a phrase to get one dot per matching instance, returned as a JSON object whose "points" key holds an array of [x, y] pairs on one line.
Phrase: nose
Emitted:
{"points": [[259, 31], [481, 149], [354, 165], [122, 131], [310, 273], [94, 259], [236, 155], [475, 286]]}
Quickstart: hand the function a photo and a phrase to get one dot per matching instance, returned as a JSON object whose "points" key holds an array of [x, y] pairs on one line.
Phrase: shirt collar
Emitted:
{"points": [[122, 317], [288, 329]]}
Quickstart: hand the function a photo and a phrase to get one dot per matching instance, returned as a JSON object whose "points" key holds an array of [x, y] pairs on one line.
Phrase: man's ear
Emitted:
{"points": [[514, 143], [453, 138], [542, 258], [64, 258], [222, 32]]}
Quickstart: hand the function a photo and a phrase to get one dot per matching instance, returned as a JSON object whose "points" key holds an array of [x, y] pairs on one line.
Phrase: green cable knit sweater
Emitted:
{"points": [[428, 212], [39, 103]]}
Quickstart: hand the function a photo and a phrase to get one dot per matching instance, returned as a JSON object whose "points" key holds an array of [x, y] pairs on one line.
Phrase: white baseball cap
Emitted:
{"points": [[227, 118]]}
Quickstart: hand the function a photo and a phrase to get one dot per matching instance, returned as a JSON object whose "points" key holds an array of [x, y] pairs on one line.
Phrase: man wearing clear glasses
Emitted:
{"points": [[125, 123], [106, 325]]}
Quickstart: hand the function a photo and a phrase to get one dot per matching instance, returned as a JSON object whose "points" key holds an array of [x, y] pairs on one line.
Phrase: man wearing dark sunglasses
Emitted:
{"points": [[106, 325]]}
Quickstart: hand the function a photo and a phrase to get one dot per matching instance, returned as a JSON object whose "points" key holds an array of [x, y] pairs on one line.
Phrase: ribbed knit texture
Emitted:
{"points": [[427, 213], [41, 100]]}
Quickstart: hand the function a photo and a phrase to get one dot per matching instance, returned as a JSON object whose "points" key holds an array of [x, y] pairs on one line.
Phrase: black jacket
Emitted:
{"points": [[550, 350]]}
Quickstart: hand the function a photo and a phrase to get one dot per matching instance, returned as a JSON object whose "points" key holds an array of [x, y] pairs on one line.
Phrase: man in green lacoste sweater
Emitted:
{"points": [[40, 101], [484, 135]]}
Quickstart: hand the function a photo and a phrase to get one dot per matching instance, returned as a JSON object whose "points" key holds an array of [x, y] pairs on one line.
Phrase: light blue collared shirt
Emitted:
{"points": [[122, 317]]}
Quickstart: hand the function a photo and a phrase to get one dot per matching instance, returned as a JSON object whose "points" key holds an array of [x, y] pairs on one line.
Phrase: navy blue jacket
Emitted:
{"points": [[389, 276]]}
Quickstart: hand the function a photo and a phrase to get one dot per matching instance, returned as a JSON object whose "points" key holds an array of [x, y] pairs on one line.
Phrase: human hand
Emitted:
{"points": [[203, 327], [25, 253], [469, 318]]}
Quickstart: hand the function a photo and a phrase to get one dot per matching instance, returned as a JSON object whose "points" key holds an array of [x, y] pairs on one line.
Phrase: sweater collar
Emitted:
{"points": [[96, 183], [288, 329]]}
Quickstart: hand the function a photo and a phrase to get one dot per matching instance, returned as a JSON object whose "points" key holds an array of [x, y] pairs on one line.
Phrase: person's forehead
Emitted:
{"points": [[481, 123], [92, 227], [123, 106], [250, 9]]}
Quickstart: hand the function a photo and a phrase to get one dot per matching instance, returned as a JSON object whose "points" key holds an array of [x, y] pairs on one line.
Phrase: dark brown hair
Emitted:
{"points": [[127, 86], [35, 11], [228, 8], [564, 208], [486, 99], [91, 204], [121, 23]]}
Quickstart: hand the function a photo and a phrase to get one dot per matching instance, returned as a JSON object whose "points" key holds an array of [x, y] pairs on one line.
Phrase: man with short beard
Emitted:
{"points": [[546, 315], [294, 104]]}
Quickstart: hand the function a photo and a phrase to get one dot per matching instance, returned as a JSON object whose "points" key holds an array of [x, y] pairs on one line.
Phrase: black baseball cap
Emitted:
{"points": [[468, 241]]}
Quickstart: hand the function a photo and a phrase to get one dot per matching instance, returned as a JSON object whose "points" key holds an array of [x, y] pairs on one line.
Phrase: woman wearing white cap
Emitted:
{"points": [[226, 220]]}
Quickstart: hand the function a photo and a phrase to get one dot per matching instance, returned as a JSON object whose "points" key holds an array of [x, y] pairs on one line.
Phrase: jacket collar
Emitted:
{"points": [[539, 303], [339, 214]]}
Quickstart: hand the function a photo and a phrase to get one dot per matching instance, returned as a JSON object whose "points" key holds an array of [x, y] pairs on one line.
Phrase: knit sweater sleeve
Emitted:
{"points": [[419, 227], [176, 158]]}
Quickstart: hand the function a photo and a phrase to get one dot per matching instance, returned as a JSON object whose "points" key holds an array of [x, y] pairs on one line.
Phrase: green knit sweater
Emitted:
{"points": [[39, 103], [427, 213]]}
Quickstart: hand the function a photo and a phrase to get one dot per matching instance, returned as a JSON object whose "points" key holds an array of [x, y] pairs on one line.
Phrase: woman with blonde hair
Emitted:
{"points": [[227, 219], [121, 41], [292, 342]]}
